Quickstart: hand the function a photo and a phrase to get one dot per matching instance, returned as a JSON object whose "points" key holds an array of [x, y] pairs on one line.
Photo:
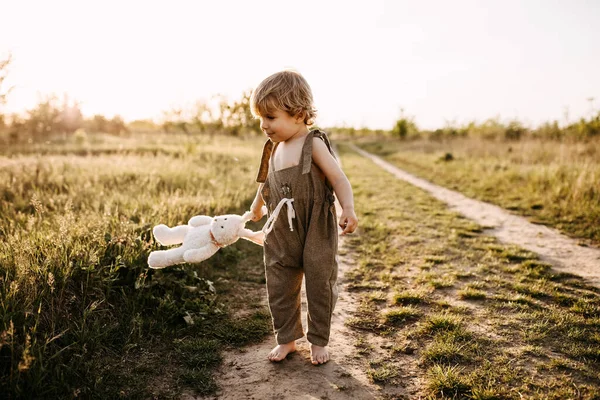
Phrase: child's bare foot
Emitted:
{"points": [[318, 354], [281, 351]]}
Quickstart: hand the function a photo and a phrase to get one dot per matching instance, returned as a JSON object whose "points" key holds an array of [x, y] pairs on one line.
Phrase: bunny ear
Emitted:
{"points": [[256, 237]]}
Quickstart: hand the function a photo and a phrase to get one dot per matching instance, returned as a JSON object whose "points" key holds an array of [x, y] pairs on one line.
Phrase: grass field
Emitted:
{"points": [[552, 183], [81, 315], [445, 310], [450, 313]]}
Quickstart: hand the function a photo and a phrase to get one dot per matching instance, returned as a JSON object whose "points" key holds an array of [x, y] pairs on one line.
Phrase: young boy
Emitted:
{"points": [[301, 174]]}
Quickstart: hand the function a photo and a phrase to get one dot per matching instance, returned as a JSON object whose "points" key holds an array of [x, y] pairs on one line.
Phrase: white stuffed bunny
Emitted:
{"points": [[201, 238]]}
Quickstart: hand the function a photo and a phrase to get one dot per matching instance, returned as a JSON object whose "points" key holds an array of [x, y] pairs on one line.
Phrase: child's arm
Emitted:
{"points": [[341, 186], [256, 207]]}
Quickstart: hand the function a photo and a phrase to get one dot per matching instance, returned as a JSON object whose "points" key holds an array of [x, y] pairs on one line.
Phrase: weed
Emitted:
{"points": [[409, 297], [447, 381], [442, 322], [402, 314], [382, 373], [471, 294]]}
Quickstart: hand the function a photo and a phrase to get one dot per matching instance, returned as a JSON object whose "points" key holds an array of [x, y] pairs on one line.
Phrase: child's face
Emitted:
{"points": [[279, 126]]}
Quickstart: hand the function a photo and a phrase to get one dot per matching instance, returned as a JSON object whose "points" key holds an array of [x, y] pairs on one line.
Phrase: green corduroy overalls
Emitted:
{"points": [[310, 249]]}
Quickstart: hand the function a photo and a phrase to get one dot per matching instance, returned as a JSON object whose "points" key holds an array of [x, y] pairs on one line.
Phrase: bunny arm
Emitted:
{"points": [[200, 254], [256, 237], [199, 220]]}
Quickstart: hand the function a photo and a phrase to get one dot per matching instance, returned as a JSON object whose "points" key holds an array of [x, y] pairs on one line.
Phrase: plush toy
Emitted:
{"points": [[201, 238]]}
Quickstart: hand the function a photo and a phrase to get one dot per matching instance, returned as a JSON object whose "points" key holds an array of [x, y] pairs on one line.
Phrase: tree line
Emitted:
{"points": [[220, 115], [53, 116]]}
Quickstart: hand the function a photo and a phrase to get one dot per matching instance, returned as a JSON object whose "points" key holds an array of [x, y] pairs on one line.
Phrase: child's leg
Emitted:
{"points": [[283, 289], [321, 295]]}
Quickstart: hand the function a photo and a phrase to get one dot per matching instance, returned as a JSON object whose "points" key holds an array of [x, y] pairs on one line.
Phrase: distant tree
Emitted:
{"points": [[490, 129], [584, 129], [16, 128], [117, 126], [3, 93], [142, 125], [44, 118], [405, 126], [242, 115], [71, 117], [98, 123], [3, 74], [548, 130], [174, 120], [206, 118], [236, 115], [514, 131]]}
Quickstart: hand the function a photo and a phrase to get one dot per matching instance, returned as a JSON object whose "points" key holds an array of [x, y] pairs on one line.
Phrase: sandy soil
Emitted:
{"points": [[561, 251], [247, 374]]}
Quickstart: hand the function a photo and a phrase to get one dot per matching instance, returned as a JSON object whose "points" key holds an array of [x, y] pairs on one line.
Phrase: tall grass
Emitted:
{"points": [[76, 294]]}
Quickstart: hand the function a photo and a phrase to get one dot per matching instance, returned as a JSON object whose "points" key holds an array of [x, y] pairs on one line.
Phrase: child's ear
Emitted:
{"points": [[300, 117]]}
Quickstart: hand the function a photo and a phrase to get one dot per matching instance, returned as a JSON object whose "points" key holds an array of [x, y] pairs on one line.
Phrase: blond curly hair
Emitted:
{"points": [[286, 91]]}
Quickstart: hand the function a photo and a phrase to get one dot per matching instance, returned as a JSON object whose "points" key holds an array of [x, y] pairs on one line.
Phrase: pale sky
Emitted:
{"points": [[439, 60]]}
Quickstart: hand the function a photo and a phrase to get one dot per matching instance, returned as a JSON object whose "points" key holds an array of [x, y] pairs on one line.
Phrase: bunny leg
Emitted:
{"points": [[165, 258], [201, 254]]}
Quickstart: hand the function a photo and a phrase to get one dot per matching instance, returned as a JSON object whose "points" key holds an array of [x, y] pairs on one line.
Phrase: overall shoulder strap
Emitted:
{"points": [[263, 170], [324, 137], [307, 151]]}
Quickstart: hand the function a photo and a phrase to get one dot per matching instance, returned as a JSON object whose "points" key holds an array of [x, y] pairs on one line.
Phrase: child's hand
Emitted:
{"points": [[348, 221]]}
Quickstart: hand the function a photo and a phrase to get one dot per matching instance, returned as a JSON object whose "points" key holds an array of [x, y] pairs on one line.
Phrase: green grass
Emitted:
{"points": [[553, 183], [447, 382], [409, 297], [382, 372], [80, 312], [482, 315], [468, 293], [401, 315], [442, 322]]}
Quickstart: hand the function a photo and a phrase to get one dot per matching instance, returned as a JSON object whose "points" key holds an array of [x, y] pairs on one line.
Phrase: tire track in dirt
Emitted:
{"points": [[559, 250]]}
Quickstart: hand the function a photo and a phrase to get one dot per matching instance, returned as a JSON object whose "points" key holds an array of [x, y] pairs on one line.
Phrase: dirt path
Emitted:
{"points": [[562, 252], [247, 374]]}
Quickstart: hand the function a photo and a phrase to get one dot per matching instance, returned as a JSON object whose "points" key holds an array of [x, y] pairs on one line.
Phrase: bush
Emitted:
{"points": [[404, 127]]}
